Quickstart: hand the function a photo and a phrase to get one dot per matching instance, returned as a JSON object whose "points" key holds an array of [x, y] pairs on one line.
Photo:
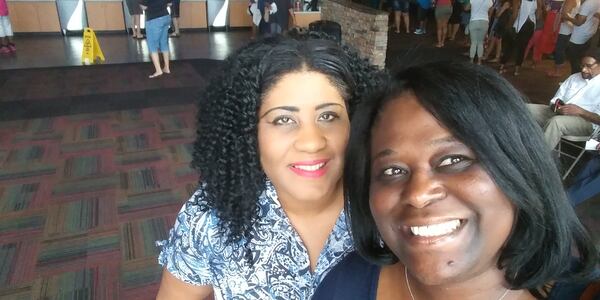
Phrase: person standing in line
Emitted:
{"points": [[586, 25], [401, 9], [454, 21], [133, 6], [443, 11], [268, 17], [499, 29], [175, 18], [7, 46], [283, 15], [256, 15], [423, 7], [535, 42], [569, 10], [158, 22], [523, 19], [478, 26]]}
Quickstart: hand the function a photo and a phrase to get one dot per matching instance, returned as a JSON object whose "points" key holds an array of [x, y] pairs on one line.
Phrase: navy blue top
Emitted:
{"points": [[156, 8], [355, 278]]}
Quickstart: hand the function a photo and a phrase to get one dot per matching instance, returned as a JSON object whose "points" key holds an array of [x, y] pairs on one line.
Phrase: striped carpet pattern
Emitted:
{"points": [[84, 197]]}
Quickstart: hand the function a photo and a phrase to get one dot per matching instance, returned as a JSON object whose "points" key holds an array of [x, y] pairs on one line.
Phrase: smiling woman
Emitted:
{"points": [[453, 195], [267, 221]]}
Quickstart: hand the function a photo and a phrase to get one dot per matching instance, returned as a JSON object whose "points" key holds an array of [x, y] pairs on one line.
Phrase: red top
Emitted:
{"points": [[3, 8]]}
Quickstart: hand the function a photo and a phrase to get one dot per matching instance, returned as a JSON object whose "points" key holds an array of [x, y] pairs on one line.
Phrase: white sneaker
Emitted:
{"points": [[419, 31]]}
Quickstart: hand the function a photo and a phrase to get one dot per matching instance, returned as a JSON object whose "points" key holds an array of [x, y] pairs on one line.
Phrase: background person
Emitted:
{"points": [[175, 18], [500, 28], [524, 16], [568, 10], [7, 45], [158, 22], [443, 11], [585, 26], [133, 6], [401, 13], [478, 27], [267, 221], [578, 108]]}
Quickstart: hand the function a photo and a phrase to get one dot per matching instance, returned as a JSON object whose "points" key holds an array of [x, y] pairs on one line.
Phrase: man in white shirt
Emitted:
{"points": [[586, 24], [575, 108]]}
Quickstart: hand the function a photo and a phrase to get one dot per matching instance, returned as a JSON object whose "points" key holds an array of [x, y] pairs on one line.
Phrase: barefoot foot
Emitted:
{"points": [[156, 74]]}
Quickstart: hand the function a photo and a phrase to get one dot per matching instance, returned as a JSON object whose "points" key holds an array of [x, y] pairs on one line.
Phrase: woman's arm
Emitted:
{"points": [[173, 288], [515, 11], [568, 6], [540, 9]]}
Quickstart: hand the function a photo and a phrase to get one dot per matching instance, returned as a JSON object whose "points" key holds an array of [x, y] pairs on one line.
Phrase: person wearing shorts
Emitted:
{"points": [[133, 6], [454, 21], [423, 7], [400, 8], [158, 22], [443, 11]]}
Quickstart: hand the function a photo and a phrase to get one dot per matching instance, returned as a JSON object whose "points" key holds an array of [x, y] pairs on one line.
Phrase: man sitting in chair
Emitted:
{"points": [[575, 108]]}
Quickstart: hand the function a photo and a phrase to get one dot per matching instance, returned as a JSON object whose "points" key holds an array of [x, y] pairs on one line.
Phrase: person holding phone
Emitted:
{"points": [[446, 202], [575, 109]]}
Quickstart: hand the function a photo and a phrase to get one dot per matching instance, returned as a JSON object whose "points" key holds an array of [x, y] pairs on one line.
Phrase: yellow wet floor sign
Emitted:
{"points": [[91, 47]]}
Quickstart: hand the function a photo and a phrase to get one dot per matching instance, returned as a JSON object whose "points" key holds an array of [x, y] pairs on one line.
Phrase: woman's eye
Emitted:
{"points": [[328, 116], [283, 120], [393, 172], [455, 161]]}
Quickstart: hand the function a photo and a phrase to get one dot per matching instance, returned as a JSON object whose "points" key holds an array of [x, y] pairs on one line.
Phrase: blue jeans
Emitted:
{"points": [[157, 34], [587, 182]]}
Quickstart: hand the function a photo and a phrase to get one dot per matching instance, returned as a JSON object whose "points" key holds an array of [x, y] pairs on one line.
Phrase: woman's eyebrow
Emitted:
{"points": [[321, 106], [444, 140], [383, 153], [288, 108]]}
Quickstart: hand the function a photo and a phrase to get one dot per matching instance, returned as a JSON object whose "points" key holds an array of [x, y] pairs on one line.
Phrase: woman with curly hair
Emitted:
{"points": [[268, 221]]}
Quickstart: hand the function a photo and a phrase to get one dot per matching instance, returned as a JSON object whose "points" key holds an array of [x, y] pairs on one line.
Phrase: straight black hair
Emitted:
{"points": [[484, 111]]}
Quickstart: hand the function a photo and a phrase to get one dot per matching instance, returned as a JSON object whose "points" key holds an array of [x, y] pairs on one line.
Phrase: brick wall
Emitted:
{"points": [[364, 28]]}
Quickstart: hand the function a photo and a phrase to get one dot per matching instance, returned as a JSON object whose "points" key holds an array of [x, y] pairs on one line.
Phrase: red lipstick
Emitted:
{"points": [[310, 169]]}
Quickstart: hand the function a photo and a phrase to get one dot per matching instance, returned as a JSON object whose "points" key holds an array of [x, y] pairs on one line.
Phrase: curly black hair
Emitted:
{"points": [[226, 148]]}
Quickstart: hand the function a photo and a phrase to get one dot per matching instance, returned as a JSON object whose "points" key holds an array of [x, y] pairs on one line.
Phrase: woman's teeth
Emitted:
{"points": [[435, 229], [309, 168]]}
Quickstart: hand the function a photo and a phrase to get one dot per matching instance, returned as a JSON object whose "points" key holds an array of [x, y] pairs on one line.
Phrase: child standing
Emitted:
{"points": [[6, 42]]}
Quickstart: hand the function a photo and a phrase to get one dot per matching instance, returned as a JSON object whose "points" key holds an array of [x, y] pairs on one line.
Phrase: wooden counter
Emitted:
{"points": [[192, 14], [238, 14], [105, 14], [34, 16]]}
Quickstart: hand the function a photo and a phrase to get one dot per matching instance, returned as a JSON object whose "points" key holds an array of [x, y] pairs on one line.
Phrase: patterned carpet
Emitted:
{"points": [[83, 198], [94, 165]]}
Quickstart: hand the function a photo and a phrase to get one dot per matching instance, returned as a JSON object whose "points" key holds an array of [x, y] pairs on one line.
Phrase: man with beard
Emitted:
{"points": [[575, 108]]}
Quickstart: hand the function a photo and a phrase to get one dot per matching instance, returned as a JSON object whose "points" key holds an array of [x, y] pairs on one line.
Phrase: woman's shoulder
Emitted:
{"points": [[351, 278], [197, 214]]}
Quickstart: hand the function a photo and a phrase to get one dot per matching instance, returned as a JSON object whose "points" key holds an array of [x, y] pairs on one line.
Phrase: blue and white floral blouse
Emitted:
{"points": [[196, 253]]}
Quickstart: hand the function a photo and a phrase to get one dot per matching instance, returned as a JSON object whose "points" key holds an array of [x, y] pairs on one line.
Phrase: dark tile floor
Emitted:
{"points": [[41, 51]]}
